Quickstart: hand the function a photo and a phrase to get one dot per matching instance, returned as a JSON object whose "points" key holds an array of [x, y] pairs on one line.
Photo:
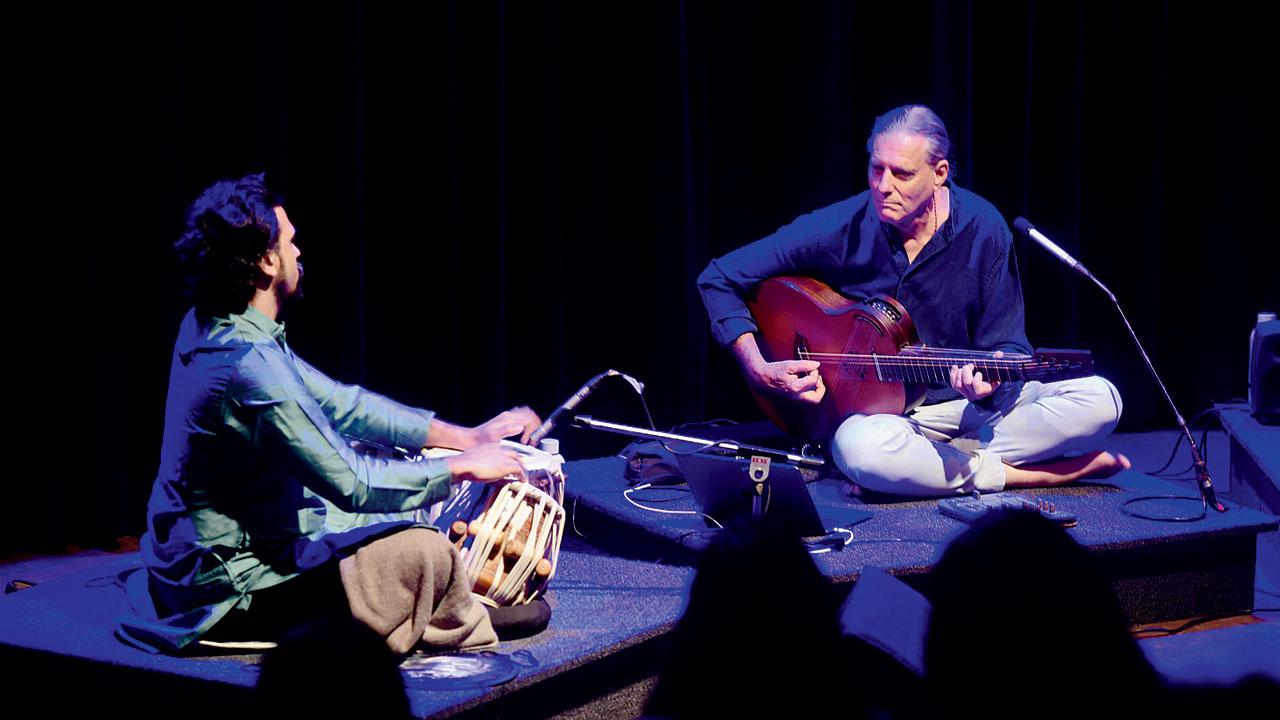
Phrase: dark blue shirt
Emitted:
{"points": [[962, 291]]}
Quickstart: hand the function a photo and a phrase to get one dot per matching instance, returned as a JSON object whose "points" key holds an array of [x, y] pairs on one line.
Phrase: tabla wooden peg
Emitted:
{"points": [[513, 549], [457, 530]]}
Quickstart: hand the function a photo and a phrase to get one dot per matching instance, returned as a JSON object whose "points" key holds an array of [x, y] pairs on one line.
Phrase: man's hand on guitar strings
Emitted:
{"points": [[971, 384], [797, 379]]}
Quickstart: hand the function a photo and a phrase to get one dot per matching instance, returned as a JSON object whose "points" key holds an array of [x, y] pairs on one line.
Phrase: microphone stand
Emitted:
{"points": [[759, 457], [741, 450], [1203, 481]]}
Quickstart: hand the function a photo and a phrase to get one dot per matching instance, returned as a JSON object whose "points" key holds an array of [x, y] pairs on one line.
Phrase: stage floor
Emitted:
{"points": [[611, 616]]}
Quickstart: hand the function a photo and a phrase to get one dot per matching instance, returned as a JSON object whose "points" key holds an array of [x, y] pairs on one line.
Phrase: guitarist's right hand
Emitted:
{"points": [[797, 379]]}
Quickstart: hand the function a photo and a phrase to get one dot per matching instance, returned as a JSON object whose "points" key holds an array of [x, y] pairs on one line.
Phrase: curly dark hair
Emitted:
{"points": [[229, 227]]}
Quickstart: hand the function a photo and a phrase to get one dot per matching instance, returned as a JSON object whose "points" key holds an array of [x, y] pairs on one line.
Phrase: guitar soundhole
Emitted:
{"points": [[885, 308]]}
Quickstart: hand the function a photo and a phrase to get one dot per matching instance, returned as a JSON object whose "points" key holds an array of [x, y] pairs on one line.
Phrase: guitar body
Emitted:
{"points": [[799, 315], [869, 359]]}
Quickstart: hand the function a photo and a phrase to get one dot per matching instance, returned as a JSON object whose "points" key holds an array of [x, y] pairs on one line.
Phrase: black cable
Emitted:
{"points": [[117, 580], [683, 537], [715, 423], [1124, 508], [1180, 475], [663, 443], [1169, 632], [1178, 443], [1204, 452], [1172, 454]]}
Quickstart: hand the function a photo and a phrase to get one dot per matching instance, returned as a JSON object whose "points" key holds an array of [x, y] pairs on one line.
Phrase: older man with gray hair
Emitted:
{"points": [[947, 255]]}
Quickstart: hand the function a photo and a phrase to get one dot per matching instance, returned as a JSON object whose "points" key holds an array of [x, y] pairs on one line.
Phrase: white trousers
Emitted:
{"points": [[956, 447]]}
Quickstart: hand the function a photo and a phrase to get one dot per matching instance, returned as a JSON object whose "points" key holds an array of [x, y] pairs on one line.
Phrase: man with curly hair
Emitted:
{"points": [[257, 452]]}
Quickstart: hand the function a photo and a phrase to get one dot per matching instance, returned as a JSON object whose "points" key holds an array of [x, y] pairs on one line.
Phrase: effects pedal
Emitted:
{"points": [[969, 508]]}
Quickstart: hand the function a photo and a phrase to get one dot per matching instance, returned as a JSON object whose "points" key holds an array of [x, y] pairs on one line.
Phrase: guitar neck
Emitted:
{"points": [[938, 370], [922, 365]]}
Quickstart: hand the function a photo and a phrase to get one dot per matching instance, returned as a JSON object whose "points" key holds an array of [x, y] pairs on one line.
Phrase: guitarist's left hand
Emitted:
{"points": [[971, 384]]}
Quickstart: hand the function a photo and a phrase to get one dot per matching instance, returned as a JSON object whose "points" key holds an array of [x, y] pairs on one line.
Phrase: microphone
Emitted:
{"points": [[1024, 226], [545, 428], [1203, 480]]}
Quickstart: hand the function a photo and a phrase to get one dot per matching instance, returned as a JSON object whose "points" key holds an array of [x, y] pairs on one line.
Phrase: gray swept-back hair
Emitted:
{"points": [[916, 120]]}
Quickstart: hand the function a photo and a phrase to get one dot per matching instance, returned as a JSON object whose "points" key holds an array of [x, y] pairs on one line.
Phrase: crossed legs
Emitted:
{"points": [[1006, 446]]}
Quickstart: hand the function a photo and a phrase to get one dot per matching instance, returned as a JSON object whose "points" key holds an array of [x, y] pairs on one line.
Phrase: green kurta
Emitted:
{"points": [[255, 442]]}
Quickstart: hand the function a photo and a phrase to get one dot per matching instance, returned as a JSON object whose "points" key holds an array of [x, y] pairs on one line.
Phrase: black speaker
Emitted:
{"points": [[1264, 373]]}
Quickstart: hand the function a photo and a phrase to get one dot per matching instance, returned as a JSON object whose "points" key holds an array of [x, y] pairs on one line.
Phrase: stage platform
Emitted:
{"points": [[610, 622], [1161, 570], [620, 589]]}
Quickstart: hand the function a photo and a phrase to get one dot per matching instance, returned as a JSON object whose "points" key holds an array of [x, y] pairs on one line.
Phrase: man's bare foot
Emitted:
{"points": [[1091, 466]]}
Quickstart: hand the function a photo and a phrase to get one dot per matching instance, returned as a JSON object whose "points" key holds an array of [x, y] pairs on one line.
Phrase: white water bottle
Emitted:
{"points": [[1262, 318]]}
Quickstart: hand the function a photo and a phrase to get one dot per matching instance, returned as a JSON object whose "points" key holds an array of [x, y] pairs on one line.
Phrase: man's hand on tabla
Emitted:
{"points": [[797, 379], [489, 462], [517, 421]]}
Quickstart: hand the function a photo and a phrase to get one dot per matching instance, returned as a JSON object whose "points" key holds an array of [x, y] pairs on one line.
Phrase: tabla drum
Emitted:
{"points": [[509, 534]]}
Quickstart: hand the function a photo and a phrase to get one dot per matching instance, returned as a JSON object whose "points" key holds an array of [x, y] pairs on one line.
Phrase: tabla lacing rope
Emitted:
{"points": [[507, 589], [509, 509], [504, 590]]}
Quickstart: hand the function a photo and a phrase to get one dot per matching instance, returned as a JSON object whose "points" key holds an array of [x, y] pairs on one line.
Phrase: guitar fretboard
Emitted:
{"points": [[927, 365]]}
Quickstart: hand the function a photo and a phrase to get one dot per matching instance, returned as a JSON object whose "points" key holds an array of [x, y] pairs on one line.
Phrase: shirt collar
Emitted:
{"points": [[214, 334], [264, 324]]}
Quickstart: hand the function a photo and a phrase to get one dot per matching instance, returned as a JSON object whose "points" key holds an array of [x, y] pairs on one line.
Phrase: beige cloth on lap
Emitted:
{"points": [[412, 588]]}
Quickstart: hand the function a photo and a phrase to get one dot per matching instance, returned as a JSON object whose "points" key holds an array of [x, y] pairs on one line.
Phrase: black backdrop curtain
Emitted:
{"points": [[497, 200]]}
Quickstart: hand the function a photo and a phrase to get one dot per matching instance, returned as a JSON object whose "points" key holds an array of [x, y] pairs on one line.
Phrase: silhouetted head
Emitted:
{"points": [[761, 627], [1020, 606], [332, 668]]}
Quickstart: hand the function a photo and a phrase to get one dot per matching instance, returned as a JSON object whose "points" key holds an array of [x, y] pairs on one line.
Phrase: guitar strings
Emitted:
{"points": [[908, 360], [917, 363]]}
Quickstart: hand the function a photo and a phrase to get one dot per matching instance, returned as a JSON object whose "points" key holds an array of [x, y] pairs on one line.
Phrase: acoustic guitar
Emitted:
{"points": [[871, 358]]}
